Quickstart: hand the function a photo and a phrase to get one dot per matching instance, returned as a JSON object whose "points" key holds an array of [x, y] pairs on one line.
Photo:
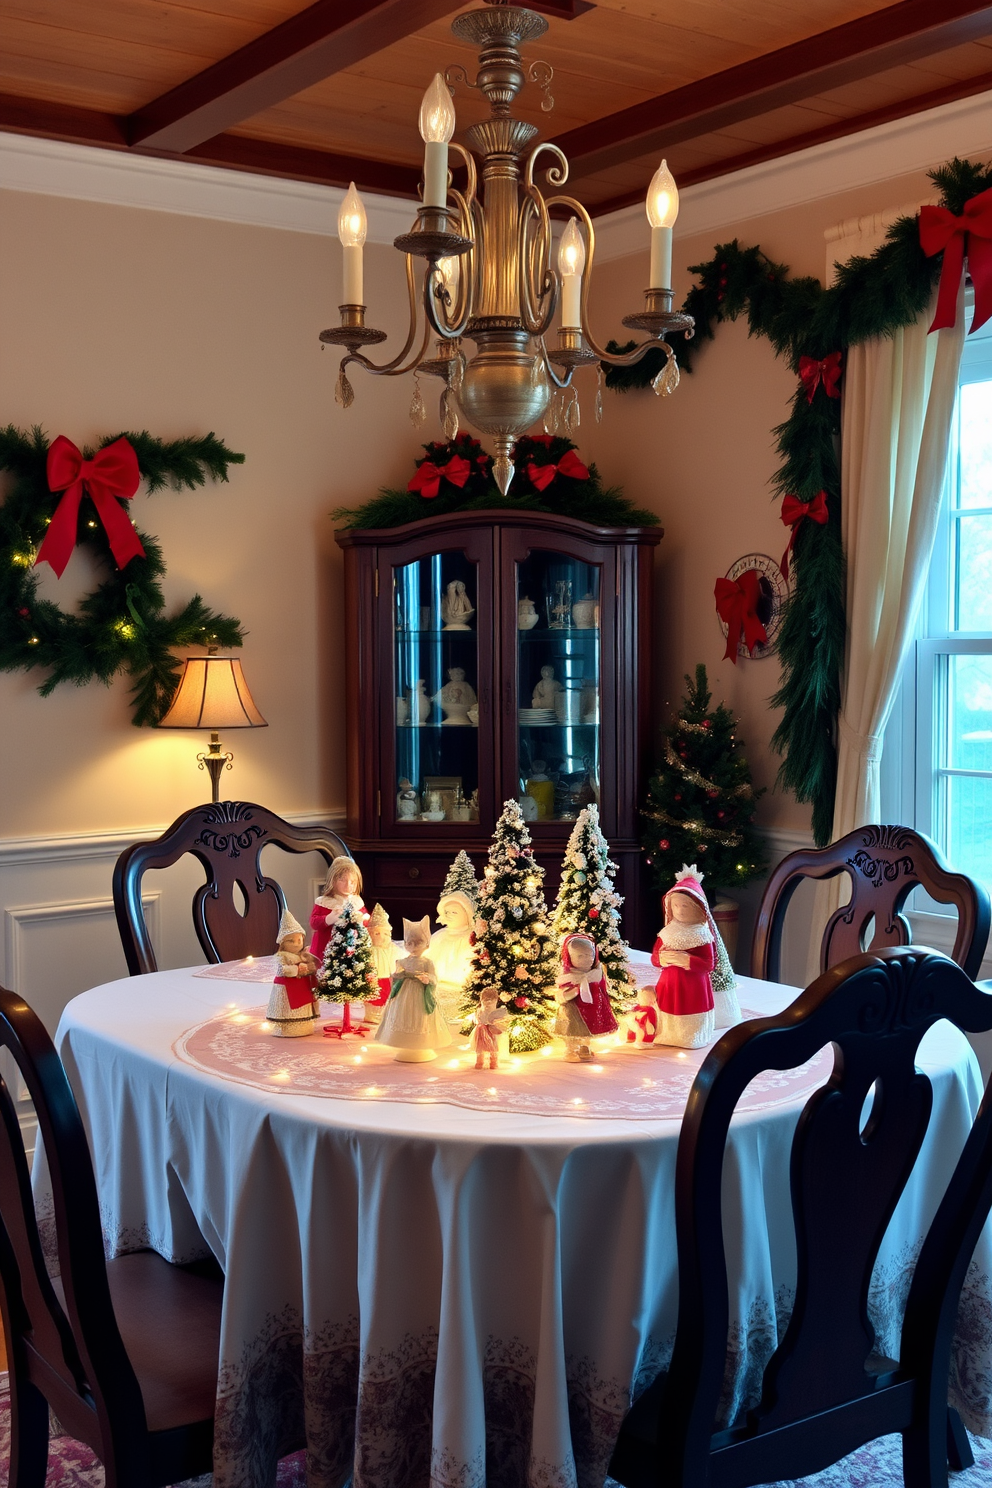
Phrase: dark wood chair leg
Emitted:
{"points": [[959, 1454], [28, 1435]]}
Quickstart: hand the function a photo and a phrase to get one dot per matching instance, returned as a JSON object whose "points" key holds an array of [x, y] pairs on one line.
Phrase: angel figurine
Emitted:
{"points": [[343, 885], [292, 1009], [686, 952], [584, 1010], [456, 607], [413, 1023], [490, 1021], [383, 959]]}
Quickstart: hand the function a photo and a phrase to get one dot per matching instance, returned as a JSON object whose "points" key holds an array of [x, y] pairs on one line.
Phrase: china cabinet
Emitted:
{"points": [[494, 654]]}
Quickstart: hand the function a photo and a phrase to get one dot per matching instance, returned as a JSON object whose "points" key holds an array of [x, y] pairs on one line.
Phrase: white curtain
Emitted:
{"points": [[898, 402]]}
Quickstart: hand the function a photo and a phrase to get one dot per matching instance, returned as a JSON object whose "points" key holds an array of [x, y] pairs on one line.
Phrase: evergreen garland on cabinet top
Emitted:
{"points": [[348, 973], [701, 802], [588, 903], [514, 947]]}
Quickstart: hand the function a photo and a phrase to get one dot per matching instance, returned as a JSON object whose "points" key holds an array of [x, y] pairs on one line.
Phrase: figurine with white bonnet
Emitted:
{"points": [[383, 960], [686, 952], [491, 1018], [413, 1023], [584, 1010], [292, 1009], [451, 948]]}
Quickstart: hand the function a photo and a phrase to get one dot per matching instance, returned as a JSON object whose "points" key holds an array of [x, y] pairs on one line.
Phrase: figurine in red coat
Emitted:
{"points": [[686, 952], [342, 885], [584, 1010]]}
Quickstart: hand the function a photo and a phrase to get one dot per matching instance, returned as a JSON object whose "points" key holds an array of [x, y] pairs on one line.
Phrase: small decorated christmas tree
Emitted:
{"points": [[514, 948], [348, 974], [701, 802], [461, 878], [587, 902]]}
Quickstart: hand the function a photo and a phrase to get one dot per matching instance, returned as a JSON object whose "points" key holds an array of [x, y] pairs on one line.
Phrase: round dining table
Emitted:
{"points": [[449, 1277]]}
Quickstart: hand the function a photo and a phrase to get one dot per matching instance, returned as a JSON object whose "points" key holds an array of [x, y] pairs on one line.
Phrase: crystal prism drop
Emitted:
{"points": [[667, 380], [599, 394], [449, 415], [418, 412], [573, 415], [344, 393]]}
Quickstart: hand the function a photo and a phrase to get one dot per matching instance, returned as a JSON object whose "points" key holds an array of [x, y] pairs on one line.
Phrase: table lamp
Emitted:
{"points": [[213, 694]]}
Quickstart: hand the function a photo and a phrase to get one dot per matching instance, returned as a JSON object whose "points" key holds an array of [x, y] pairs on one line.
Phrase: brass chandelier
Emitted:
{"points": [[490, 276]]}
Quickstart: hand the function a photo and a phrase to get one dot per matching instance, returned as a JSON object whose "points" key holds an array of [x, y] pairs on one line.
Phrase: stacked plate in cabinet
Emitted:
{"points": [[537, 717]]}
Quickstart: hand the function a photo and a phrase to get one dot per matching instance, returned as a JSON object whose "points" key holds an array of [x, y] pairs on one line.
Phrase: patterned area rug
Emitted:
{"points": [[878, 1465]]}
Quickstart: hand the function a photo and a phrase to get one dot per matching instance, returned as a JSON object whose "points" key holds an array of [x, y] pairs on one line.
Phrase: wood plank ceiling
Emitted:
{"points": [[330, 93]]}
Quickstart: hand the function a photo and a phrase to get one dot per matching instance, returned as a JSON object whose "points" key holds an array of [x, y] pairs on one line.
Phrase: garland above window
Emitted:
{"points": [[61, 496], [813, 327]]}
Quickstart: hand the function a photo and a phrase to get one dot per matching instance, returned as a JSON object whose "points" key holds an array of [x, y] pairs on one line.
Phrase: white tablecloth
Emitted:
{"points": [[458, 1297]]}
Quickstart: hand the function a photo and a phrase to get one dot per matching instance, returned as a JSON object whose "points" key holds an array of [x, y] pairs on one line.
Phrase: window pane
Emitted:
{"points": [[969, 713], [969, 825], [975, 434], [974, 566]]}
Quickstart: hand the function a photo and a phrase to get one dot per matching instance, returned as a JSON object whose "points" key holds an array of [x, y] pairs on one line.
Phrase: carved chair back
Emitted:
{"points": [[825, 1391], [884, 865], [227, 838]]}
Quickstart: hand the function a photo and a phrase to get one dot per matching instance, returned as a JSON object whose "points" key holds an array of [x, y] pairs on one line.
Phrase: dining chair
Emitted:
{"points": [[825, 1390], [125, 1352], [884, 865], [227, 838]]}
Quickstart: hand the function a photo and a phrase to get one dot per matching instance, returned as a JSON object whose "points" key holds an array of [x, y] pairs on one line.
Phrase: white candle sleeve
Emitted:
{"points": [[354, 287], [571, 292], [435, 173], [661, 258]]}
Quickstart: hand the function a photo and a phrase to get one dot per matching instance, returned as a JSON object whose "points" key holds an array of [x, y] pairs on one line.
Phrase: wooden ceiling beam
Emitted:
{"points": [[61, 121], [887, 38], [836, 129], [323, 39]]}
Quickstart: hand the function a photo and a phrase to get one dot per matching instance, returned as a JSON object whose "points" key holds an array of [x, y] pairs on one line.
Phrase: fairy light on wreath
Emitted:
{"points": [[63, 497]]}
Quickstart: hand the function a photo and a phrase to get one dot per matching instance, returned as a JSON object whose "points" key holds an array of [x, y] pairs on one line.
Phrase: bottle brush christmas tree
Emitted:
{"points": [[588, 902], [348, 974], [461, 878], [701, 802], [514, 947]]}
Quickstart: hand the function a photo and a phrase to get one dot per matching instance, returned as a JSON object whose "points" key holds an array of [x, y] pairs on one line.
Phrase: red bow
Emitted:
{"points": [[541, 476], [970, 233], [643, 1016], [428, 478], [793, 512], [112, 472], [737, 606], [812, 373]]}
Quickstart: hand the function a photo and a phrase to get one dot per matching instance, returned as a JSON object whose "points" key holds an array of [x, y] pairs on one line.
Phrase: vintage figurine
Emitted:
{"points": [[413, 1023], [527, 616], [420, 703], [451, 949], [584, 1010], [342, 885], [407, 800], [456, 607], [585, 612], [456, 698], [546, 690], [384, 959], [641, 1020], [292, 1008], [686, 952], [491, 1019]]}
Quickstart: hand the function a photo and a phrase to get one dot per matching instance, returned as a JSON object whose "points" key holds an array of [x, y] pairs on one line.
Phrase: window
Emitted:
{"points": [[937, 766]]}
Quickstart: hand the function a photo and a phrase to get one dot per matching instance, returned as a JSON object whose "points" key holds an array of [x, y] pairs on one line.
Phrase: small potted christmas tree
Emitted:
{"points": [[348, 973], [514, 947], [587, 902], [701, 803]]}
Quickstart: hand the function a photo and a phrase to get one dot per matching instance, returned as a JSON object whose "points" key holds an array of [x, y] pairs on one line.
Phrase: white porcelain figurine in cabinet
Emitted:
{"points": [[585, 612], [402, 711], [407, 801], [527, 616], [456, 698], [420, 703], [456, 607], [547, 689]]}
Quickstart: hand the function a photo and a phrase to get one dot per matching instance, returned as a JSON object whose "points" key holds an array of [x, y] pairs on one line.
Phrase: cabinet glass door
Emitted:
{"points": [[558, 684], [436, 686]]}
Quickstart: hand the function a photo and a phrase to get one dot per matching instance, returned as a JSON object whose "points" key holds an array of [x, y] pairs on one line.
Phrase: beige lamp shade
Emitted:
{"points": [[213, 694]]}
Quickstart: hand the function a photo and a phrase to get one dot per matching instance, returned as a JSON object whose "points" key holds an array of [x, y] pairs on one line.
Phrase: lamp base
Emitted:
{"points": [[214, 762]]}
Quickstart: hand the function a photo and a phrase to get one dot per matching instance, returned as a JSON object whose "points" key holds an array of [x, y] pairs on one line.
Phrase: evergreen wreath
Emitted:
{"points": [[458, 476], [812, 327], [121, 626]]}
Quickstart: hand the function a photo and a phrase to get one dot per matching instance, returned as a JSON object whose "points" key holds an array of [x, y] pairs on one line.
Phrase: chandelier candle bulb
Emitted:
{"points": [[571, 263], [437, 125], [662, 209], [352, 227]]}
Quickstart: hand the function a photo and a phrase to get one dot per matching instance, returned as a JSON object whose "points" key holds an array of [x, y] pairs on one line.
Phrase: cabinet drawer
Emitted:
{"points": [[409, 872]]}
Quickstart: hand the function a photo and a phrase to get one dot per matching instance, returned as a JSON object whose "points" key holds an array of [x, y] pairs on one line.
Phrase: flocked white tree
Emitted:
{"points": [[587, 902], [461, 878], [348, 974]]}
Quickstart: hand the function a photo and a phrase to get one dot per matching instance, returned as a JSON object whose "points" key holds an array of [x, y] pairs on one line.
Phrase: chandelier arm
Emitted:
{"points": [[435, 308], [472, 184], [559, 382], [613, 359], [533, 252], [394, 368], [557, 175]]}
